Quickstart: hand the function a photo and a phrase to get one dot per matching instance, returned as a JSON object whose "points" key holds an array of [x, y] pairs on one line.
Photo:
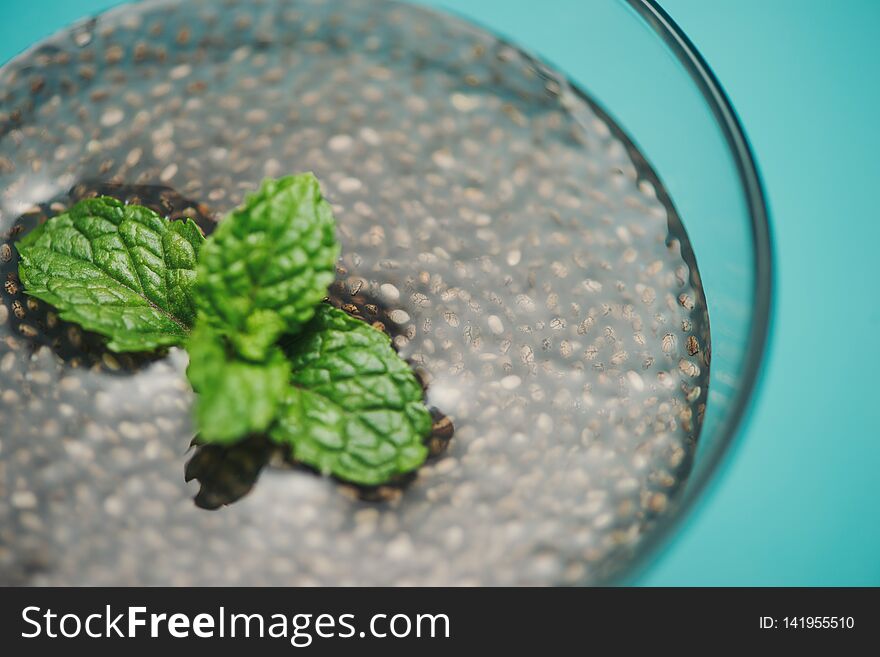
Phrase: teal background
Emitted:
{"points": [[797, 503]]}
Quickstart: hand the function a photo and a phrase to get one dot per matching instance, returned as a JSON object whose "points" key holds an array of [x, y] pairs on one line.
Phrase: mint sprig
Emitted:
{"points": [[266, 356]]}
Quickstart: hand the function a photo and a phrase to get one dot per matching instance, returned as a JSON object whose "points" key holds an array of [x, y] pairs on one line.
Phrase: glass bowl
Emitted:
{"points": [[666, 97], [548, 259], [670, 102]]}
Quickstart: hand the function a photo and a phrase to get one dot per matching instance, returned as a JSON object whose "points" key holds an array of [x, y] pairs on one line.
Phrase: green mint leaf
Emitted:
{"points": [[236, 397], [268, 264], [119, 270], [355, 409]]}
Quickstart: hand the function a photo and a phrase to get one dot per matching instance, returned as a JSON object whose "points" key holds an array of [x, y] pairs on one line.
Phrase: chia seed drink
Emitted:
{"points": [[521, 252]]}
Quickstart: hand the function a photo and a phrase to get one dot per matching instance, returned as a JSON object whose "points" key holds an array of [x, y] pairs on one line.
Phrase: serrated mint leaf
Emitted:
{"points": [[236, 397], [355, 409], [119, 270], [275, 255]]}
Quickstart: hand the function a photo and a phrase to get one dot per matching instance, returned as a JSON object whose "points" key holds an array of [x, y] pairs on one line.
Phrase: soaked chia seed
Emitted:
{"points": [[508, 235]]}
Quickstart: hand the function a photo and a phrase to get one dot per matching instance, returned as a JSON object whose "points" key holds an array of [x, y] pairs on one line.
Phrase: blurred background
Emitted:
{"points": [[798, 500]]}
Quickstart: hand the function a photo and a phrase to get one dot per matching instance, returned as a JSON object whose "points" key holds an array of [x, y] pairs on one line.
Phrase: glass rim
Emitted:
{"points": [[729, 433]]}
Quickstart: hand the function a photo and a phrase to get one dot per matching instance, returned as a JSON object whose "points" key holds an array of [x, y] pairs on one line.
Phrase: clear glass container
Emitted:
{"points": [[548, 248], [665, 95]]}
